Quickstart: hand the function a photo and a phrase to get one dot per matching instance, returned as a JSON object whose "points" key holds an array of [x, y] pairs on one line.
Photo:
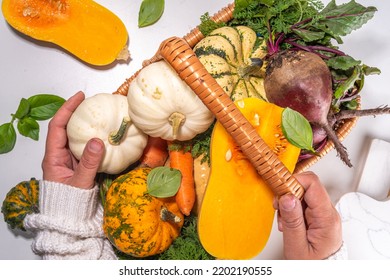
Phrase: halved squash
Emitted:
{"points": [[236, 214], [83, 27]]}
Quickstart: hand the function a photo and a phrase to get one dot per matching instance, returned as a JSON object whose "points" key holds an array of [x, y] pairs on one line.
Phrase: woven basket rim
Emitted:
{"points": [[194, 36]]}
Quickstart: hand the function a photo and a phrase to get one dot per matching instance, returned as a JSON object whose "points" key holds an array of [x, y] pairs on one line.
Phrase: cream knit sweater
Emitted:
{"points": [[69, 225]]}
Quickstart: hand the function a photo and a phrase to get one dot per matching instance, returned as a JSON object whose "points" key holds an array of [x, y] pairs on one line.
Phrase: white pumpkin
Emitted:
{"points": [[162, 105], [105, 116]]}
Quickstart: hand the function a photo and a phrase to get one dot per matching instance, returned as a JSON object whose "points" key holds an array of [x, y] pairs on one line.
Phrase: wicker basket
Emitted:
{"points": [[179, 54]]}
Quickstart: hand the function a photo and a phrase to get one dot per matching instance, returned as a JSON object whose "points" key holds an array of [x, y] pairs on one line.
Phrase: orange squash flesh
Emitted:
{"points": [[83, 27], [236, 215]]}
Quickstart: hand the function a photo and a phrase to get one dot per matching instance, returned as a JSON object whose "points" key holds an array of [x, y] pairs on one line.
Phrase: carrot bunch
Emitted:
{"points": [[156, 154], [182, 160]]}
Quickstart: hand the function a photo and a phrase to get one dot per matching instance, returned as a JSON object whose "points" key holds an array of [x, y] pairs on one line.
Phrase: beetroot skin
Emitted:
{"points": [[302, 81]]}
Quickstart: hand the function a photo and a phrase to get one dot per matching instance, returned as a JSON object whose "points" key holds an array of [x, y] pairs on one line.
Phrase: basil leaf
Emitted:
{"points": [[23, 109], [150, 12], [29, 127], [7, 138], [163, 181], [297, 130], [44, 106]]}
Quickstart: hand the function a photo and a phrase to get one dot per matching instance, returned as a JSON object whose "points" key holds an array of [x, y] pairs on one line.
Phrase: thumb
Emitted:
{"points": [[89, 163], [292, 224]]}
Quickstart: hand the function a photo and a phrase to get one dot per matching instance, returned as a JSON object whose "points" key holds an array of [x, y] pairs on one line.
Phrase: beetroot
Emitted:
{"points": [[302, 81]]}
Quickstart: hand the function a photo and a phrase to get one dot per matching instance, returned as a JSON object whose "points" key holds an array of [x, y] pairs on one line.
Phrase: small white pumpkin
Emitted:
{"points": [[162, 105], [105, 116]]}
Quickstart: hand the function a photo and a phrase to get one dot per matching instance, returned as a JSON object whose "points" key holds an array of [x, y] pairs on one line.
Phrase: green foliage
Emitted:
{"points": [[163, 181], [279, 15], [36, 108], [207, 25], [297, 129], [150, 12], [308, 25], [187, 246]]}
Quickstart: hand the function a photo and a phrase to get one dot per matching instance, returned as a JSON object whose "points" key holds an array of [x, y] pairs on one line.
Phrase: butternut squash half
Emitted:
{"points": [[236, 214], [82, 27]]}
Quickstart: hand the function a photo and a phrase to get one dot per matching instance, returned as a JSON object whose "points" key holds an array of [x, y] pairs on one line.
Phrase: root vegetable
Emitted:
{"points": [[302, 81], [155, 153], [183, 161]]}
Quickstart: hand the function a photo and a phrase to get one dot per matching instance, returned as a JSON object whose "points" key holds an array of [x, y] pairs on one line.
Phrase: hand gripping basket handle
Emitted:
{"points": [[181, 57]]}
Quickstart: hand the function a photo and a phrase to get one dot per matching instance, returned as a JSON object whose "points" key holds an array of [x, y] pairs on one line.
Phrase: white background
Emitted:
{"points": [[29, 67]]}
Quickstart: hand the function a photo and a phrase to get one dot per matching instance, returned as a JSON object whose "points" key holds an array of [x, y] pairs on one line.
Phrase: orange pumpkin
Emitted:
{"points": [[137, 223]]}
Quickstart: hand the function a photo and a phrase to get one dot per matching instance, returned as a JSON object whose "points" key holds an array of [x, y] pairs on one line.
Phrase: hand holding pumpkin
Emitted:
{"points": [[311, 230], [59, 164]]}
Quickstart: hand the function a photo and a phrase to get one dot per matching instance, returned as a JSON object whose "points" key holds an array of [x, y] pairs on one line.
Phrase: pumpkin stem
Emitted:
{"points": [[168, 216], [116, 137], [176, 120], [251, 70]]}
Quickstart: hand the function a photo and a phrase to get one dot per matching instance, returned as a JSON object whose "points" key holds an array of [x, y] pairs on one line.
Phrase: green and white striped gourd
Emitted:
{"points": [[233, 56]]}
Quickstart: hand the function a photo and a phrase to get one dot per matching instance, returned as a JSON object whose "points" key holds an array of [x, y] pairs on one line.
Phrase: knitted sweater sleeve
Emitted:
{"points": [[69, 224]]}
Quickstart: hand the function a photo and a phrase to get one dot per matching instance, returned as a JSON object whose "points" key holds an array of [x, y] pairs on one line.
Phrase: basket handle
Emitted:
{"points": [[181, 57]]}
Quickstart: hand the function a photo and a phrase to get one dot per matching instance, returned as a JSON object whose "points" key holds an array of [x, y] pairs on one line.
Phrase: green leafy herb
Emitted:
{"points": [[43, 106], [187, 246], [7, 137], [29, 127], [261, 15], [337, 21], [297, 129], [344, 62], [207, 25], [163, 181], [309, 26], [36, 108], [150, 12]]}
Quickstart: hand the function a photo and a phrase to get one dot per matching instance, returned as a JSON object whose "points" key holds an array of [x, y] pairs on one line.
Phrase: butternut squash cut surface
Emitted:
{"points": [[236, 214], [82, 27]]}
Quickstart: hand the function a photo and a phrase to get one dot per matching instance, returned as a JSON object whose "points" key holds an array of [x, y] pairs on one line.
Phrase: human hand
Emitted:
{"points": [[59, 164], [311, 229]]}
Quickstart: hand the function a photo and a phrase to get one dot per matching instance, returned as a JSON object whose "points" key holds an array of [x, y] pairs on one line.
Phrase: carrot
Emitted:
{"points": [[155, 153], [182, 160]]}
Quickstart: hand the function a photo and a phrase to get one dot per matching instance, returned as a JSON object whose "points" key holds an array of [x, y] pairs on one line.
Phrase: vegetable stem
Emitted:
{"points": [[168, 216], [315, 49], [249, 70], [116, 137], [176, 120]]}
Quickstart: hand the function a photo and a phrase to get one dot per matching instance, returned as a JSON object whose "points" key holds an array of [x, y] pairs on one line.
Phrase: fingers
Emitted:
{"points": [[56, 137], [316, 195], [89, 163], [309, 227], [292, 223]]}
